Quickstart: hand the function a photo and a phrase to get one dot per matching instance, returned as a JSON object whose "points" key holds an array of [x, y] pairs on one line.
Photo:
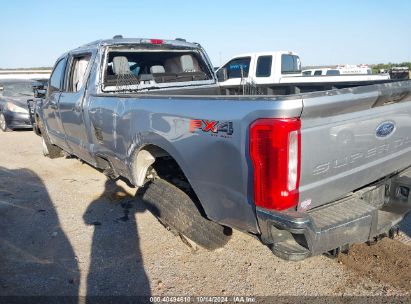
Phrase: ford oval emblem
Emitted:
{"points": [[385, 129]]}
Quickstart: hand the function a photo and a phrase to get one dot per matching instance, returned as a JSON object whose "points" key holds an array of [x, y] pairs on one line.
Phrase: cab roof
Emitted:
{"points": [[116, 40], [256, 54], [119, 40]]}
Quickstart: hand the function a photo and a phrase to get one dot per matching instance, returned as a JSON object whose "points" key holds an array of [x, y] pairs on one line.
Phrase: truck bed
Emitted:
{"points": [[340, 149]]}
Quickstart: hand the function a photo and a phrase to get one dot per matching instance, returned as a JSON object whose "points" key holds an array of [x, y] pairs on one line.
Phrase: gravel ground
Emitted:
{"points": [[66, 230]]}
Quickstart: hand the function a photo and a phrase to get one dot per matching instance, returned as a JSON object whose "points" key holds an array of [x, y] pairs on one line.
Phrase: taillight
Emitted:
{"points": [[275, 150]]}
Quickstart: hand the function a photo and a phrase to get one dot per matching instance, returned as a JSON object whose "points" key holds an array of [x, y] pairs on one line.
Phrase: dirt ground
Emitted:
{"points": [[66, 230]]}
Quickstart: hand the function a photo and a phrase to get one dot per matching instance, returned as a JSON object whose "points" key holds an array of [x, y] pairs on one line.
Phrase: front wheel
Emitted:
{"points": [[49, 150], [3, 123]]}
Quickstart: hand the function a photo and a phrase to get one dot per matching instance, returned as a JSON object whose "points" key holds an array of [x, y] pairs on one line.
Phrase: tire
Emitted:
{"points": [[49, 150], [3, 123], [175, 209]]}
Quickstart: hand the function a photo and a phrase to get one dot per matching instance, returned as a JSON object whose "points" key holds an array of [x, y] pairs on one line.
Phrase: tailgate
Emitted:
{"points": [[351, 138]]}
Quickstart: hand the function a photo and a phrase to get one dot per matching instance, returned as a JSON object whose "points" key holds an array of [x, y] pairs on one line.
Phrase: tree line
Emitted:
{"points": [[388, 66]]}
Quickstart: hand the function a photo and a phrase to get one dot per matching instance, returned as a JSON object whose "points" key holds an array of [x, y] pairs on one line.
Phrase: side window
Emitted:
{"points": [[78, 72], [56, 78], [238, 67], [264, 66], [318, 72]]}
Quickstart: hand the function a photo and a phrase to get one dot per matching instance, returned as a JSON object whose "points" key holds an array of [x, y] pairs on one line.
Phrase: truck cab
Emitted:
{"points": [[283, 68], [261, 68]]}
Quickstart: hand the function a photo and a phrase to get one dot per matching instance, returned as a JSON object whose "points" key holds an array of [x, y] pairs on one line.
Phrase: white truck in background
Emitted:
{"points": [[346, 69], [354, 69], [280, 73]]}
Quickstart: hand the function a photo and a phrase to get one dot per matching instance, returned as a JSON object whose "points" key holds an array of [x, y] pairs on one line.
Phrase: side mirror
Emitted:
{"points": [[40, 92], [222, 75]]}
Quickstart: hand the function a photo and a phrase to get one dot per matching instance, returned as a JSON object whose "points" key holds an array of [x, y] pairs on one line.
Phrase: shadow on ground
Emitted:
{"points": [[116, 266], [36, 257]]}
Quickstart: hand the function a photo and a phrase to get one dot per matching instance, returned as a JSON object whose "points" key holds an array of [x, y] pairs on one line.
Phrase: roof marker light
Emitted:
{"points": [[156, 41]]}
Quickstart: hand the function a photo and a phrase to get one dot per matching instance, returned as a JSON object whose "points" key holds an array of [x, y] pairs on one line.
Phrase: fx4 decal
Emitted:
{"points": [[213, 127]]}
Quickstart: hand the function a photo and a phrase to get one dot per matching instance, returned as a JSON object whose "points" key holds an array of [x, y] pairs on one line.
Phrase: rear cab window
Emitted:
{"points": [[133, 69], [290, 64]]}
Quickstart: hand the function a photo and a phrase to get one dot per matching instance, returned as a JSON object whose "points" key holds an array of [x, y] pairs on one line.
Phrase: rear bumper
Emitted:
{"points": [[359, 218], [17, 120]]}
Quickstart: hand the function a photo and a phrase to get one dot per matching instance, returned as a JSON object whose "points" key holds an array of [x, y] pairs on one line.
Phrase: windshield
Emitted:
{"points": [[128, 69], [18, 89]]}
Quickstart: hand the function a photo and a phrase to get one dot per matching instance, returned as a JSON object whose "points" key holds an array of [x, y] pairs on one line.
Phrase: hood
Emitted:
{"points": [[20, 101]]}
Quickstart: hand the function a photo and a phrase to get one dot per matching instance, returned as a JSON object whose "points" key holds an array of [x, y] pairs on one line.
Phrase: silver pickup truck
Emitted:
{"points": [[307, 173]]}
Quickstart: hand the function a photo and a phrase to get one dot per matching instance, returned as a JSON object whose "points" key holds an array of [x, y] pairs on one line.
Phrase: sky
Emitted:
{"points": [[35, 33]]}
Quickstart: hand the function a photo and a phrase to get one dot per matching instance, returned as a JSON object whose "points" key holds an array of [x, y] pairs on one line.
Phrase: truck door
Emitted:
{"points": [[51, 114], [71, 105]]}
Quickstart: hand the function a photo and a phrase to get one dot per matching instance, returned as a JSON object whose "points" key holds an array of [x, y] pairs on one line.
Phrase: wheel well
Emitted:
{"points": [[163, 165]]}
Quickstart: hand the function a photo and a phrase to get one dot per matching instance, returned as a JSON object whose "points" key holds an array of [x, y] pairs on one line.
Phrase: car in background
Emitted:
{"points": [[321, 72], [343, 70], [14, 96], [400, 73]]}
